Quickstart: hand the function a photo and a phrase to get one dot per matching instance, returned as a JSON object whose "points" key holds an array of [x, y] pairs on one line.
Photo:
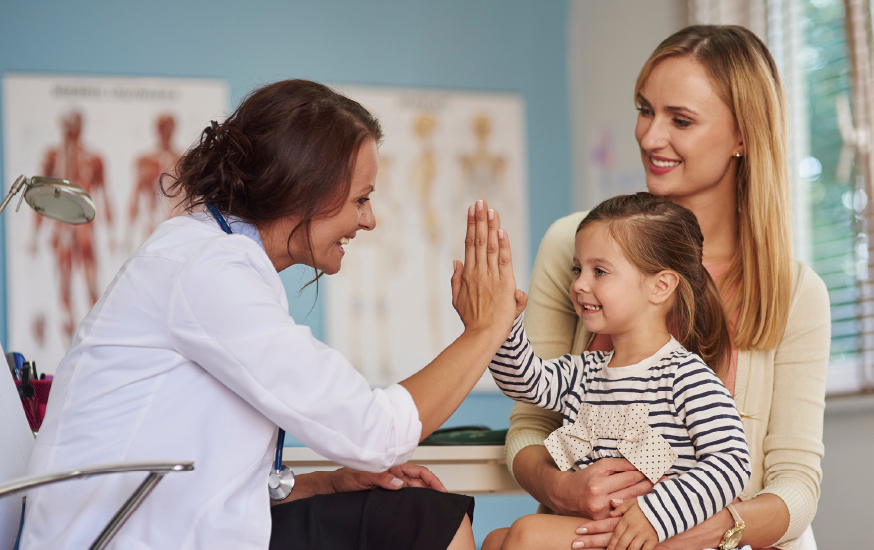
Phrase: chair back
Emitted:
{"points": [[16, 442]]}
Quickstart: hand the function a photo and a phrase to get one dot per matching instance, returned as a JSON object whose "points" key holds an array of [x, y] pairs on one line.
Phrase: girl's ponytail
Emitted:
{"points": [[708, 335]]}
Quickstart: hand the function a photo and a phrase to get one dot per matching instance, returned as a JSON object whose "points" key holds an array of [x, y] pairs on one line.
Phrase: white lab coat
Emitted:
{"points": [[191, 354]]}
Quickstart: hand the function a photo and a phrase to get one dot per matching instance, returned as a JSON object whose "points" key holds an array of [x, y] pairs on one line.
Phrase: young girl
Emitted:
{"points": [[638, 278]]}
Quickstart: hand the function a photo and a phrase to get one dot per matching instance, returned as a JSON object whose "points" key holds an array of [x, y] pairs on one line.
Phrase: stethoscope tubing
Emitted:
{"points": [[280, 438]]}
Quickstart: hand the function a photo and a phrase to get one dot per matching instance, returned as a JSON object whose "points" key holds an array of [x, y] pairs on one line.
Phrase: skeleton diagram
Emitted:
{"points": [[423, 175], [385, 249], [483, 173], [483, 176], [146, 201], [73, 245]]}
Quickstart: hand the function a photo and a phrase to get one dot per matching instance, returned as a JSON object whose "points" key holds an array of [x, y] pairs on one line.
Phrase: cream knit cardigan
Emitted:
{"points": [[780, 393]]}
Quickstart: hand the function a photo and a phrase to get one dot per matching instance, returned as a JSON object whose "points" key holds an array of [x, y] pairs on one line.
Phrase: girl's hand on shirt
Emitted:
{"points": [[405, 475], [483, 286]]}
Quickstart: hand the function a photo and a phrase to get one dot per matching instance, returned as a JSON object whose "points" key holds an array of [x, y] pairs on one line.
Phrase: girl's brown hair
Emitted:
{"points": [[658, 235], [744, 75], [287, 151]]}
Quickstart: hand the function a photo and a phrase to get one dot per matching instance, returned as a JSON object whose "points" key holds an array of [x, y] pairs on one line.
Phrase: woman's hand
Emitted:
{"points": [[707, 534], [405, 475], [595, 534], [483, 287], [586, 493], [346, 480]]}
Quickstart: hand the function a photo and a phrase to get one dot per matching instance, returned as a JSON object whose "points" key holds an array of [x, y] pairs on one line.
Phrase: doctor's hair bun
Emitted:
{"points": [[287, 151]]}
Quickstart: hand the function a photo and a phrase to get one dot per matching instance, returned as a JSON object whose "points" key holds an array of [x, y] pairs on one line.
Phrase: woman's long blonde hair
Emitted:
{"points": [[745, 77]]}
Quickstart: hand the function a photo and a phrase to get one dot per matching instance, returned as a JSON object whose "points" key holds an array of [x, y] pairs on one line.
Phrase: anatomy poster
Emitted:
{"points": [[389, 310], [114, 137]]}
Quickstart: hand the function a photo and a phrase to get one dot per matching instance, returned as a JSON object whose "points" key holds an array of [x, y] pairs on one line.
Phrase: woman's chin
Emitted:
{"points": [[656, 187], [330, 268]]}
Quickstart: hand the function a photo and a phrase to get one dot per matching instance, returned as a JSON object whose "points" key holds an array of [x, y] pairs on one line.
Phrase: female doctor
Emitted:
{"points": [[190, 354]]}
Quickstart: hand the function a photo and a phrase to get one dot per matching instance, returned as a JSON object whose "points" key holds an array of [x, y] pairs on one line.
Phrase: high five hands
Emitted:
{"points": [[484, 289]]}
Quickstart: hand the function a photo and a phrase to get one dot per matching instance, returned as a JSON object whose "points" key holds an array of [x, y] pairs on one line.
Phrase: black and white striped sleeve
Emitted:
{"points": [[723, 469], [522, 376]]}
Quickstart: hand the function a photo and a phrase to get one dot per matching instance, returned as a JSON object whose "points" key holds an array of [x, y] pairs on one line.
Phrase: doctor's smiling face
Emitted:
{"points": [[330, 234]]}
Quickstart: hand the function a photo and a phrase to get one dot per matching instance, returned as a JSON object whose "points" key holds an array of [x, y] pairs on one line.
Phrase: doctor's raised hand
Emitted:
{"points": [[485, 296]]}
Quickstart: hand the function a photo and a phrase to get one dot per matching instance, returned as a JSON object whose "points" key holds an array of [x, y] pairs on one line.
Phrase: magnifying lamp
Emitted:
{"points": [[54, 198]]}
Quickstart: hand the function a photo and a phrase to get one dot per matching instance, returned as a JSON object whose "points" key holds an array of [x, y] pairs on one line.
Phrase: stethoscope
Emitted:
{"points": [[280, 481]]}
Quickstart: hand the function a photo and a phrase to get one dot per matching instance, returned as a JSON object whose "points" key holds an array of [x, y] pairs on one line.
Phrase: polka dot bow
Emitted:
{"points": [[629, 426]]}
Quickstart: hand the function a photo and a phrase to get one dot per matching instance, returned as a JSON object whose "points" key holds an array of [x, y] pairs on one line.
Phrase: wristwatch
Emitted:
{"points": [[732, 537]]}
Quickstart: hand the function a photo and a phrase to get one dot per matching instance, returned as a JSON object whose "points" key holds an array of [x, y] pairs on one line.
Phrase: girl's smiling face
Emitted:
{"points": [[688, 136], [608, 292]]}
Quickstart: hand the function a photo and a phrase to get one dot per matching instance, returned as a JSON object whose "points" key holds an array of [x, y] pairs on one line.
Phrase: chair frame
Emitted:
{"points": [[156, 472]]}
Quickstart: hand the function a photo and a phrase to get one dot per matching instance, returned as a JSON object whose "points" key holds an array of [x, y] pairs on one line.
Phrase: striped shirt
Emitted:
{"points": [[688, 406]]}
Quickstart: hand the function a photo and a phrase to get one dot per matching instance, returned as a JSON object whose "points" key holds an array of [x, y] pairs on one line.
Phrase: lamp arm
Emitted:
{"points": [[16, 187]]}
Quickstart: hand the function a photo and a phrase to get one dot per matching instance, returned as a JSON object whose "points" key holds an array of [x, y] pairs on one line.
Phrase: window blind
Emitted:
{"points": [[823, 51]]}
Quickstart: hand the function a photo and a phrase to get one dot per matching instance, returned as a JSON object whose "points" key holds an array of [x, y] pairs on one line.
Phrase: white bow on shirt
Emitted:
{"points": [[628, 425]]}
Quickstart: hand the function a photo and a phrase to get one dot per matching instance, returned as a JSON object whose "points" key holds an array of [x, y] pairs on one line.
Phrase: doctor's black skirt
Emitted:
{"points": [[407, 519]]}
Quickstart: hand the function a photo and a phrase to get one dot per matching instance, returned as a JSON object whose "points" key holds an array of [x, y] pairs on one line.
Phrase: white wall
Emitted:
{"points": [[608, 42], [846, 504]]}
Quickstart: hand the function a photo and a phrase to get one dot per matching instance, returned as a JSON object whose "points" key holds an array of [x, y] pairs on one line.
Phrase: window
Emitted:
{"points": [[837, 239], [826, 71]]}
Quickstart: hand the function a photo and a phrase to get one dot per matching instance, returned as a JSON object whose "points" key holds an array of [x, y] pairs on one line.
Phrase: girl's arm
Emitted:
{"points": [[552, 328], [722, 458], [523, 376]]}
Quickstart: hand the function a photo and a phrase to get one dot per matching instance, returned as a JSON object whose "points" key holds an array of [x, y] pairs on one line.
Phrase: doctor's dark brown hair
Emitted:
{"points": [[657, 235], [287, 151]]}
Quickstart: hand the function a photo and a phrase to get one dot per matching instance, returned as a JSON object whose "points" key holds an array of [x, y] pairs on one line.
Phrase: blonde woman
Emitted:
{"points": [[712, 134]]}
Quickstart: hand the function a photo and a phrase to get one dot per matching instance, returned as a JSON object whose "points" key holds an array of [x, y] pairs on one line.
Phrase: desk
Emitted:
{"points": [[463, 469]]}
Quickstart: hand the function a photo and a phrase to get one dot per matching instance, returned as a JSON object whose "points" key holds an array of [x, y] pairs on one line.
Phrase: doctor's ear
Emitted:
{"points": [[664, 284]]}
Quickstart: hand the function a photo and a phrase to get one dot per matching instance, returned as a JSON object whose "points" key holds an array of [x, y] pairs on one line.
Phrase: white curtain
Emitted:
{"points": [[858, 140], [779, 24], [752, 14]]}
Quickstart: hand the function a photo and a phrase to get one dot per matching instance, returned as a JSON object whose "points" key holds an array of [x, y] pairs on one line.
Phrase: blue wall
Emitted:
{"points": [[497, 45]]}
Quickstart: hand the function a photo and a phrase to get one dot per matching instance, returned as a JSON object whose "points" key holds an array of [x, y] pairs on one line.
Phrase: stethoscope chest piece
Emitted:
{"points": [[280, 483]]}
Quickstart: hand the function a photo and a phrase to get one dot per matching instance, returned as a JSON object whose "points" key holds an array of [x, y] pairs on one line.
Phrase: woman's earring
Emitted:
{"points": [[737, 155]]}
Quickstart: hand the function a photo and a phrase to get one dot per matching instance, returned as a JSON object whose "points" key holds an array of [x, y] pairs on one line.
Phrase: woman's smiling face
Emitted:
{"points": [[329, 234], [688, 136]]}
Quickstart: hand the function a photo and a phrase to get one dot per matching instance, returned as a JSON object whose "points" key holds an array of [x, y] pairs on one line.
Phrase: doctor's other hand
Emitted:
{"points": [[397, 477], [483, 287]]}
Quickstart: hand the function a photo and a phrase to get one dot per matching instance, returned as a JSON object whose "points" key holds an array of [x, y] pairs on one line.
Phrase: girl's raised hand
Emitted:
{"points": [[483, 287]]}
